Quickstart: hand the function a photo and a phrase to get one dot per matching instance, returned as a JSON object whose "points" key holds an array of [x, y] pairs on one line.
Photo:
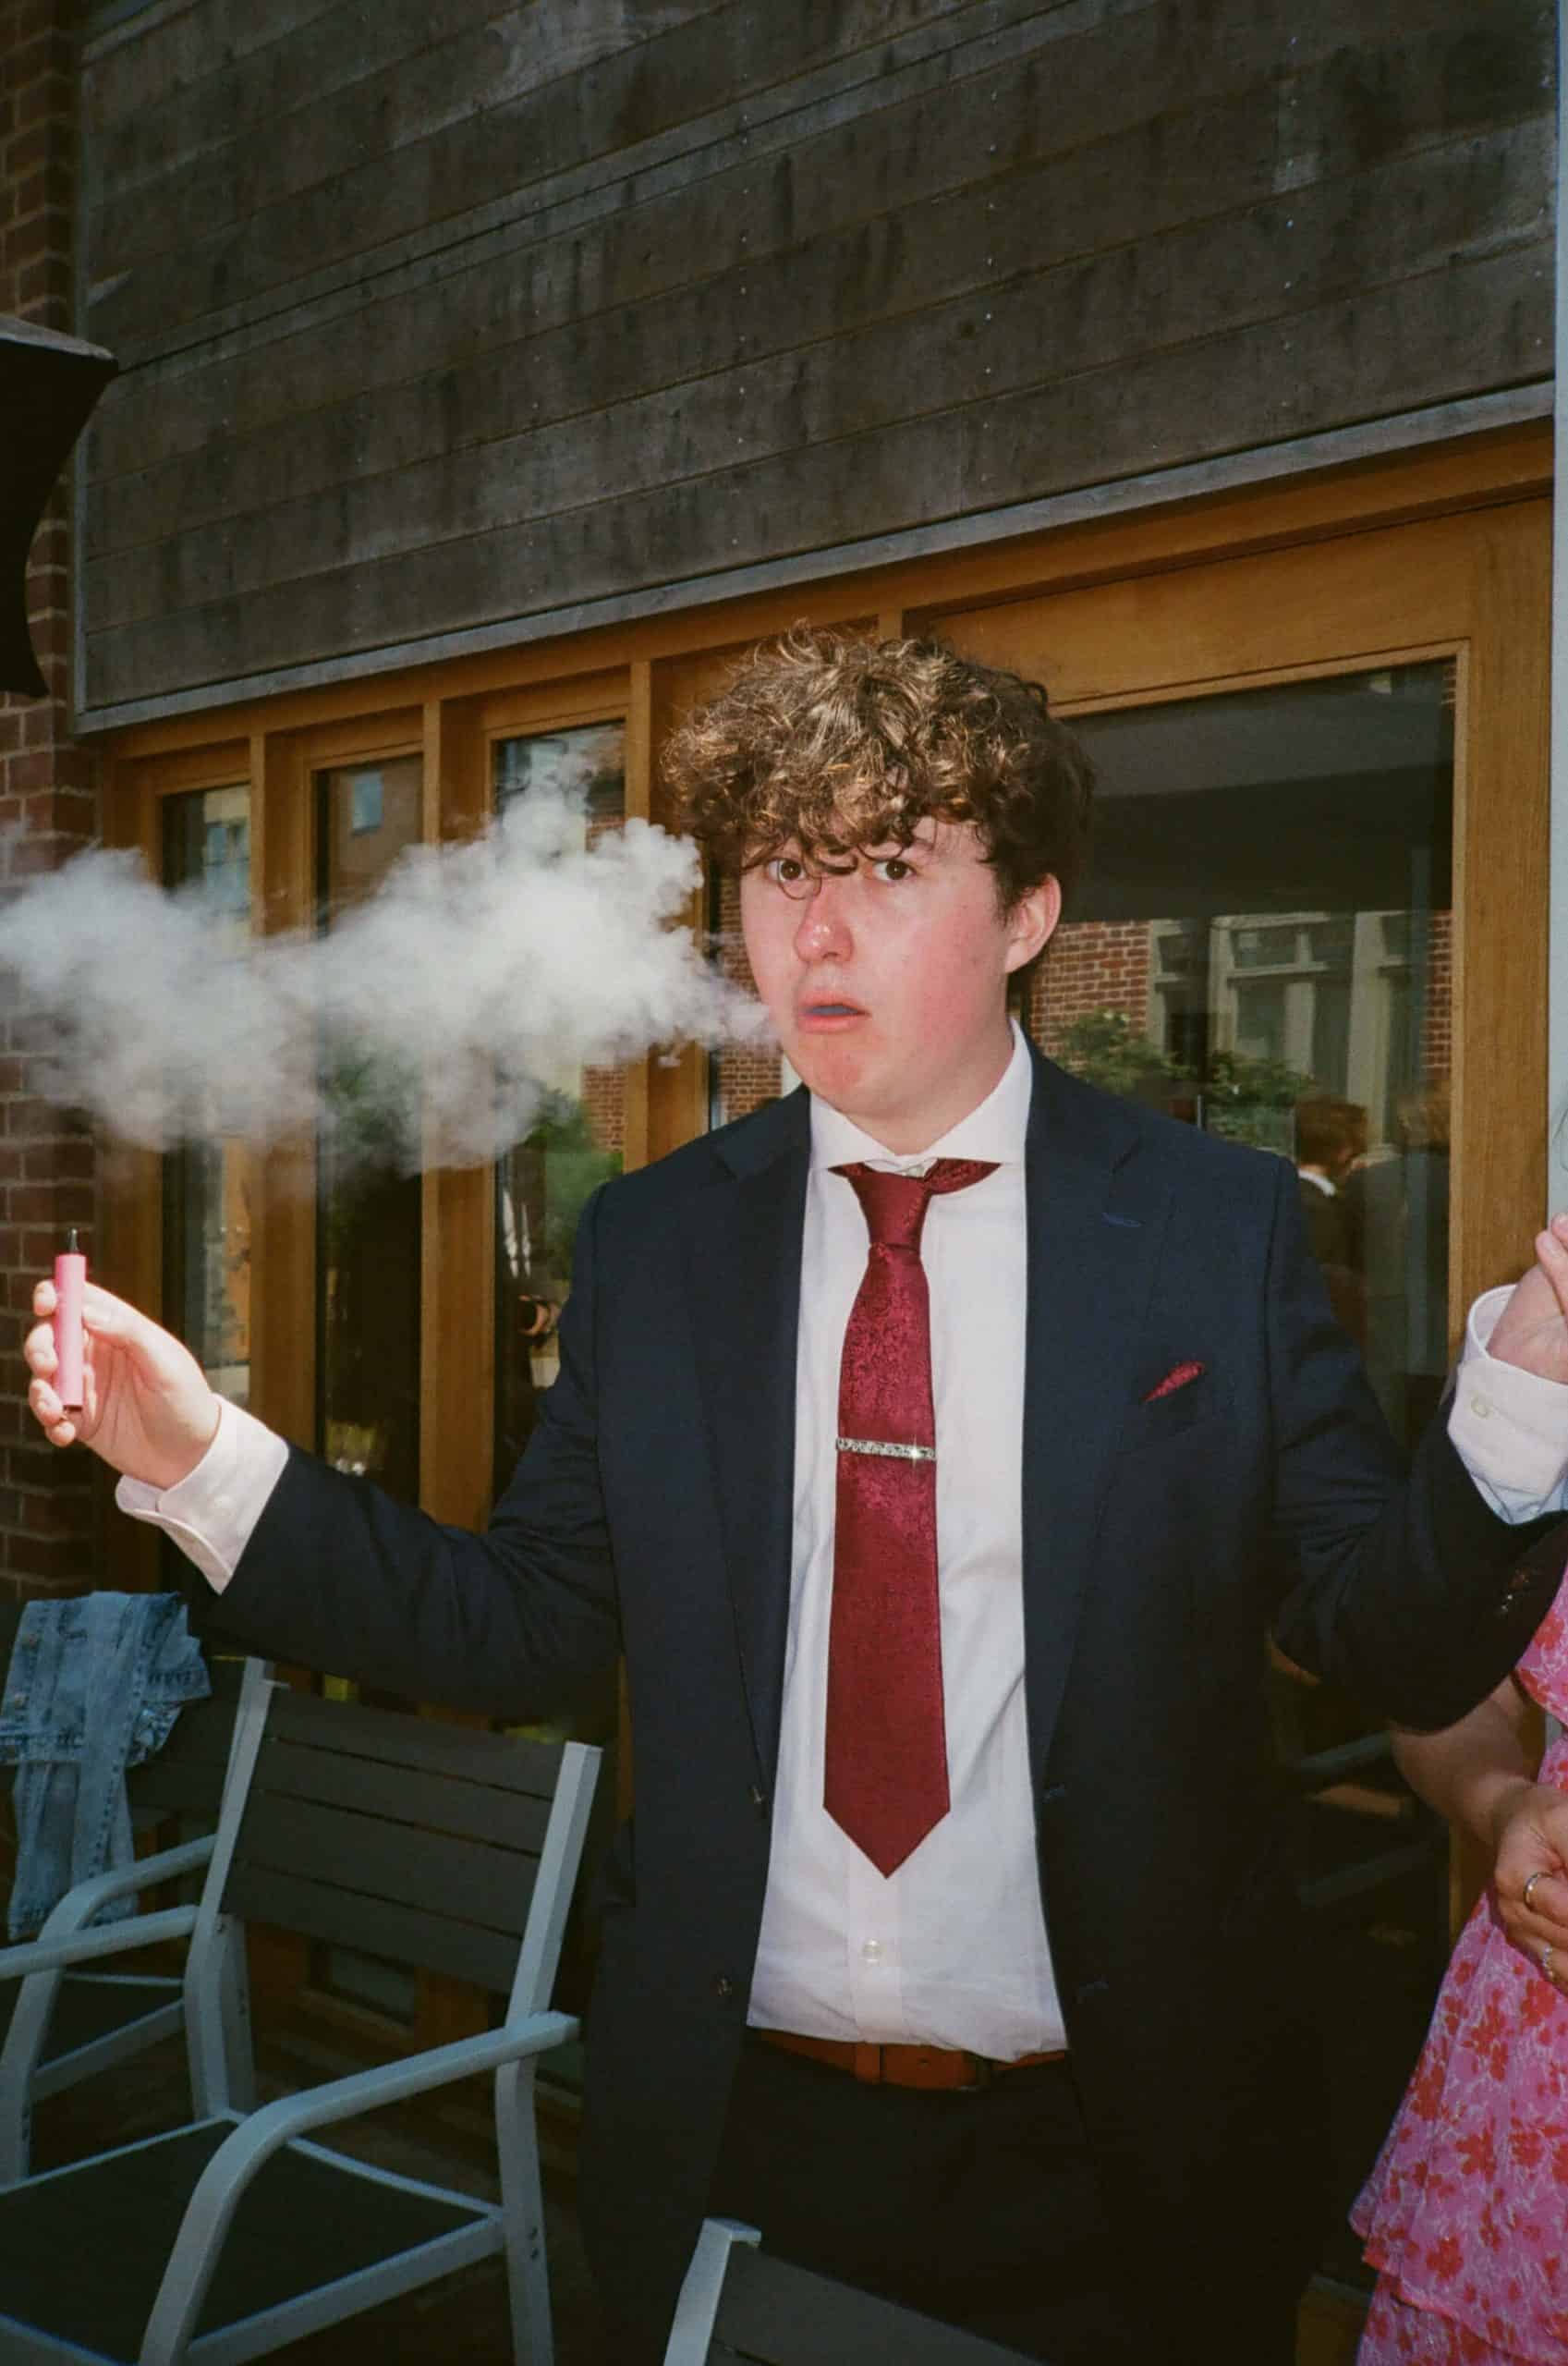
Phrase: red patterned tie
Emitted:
{"points": [[886, 1759]]}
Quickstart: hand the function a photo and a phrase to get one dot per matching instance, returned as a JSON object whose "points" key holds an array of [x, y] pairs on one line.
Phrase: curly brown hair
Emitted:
{"points": [[832, 742]]}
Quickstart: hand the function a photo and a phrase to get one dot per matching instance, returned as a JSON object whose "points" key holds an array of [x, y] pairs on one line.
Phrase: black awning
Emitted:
{"points": [[48, 386]]}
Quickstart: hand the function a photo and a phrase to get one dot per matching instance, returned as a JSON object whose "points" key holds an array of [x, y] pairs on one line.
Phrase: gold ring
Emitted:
{"points": [[1530, 1884]]}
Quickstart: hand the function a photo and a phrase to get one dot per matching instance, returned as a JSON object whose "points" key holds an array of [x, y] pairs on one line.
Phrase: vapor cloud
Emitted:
{"points": [[426, 1025]]}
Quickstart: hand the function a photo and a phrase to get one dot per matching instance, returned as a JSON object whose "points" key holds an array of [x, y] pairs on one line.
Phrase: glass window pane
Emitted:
{"points": [[207, 1187], [1262, 948], [742, 1075], [578, 1141], [368, 1213], [1264, 932]]}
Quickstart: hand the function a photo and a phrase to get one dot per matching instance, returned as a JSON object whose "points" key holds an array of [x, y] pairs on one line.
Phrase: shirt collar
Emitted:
{"points": [[995, 1130]]}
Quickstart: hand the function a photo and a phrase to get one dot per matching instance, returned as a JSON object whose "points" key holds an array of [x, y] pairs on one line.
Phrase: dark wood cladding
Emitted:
{"points": [[430, 320]]}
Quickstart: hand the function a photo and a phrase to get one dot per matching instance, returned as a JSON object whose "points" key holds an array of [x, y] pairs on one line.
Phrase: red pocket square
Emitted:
{"points": [[1177, 1377]]}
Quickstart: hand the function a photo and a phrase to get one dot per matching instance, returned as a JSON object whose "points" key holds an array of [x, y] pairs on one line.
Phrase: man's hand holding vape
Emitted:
{"points": [[146, 1407]]}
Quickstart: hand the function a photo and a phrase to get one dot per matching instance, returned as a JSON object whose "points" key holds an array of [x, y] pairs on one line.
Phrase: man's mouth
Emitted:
{"points": [[828, 1007]]}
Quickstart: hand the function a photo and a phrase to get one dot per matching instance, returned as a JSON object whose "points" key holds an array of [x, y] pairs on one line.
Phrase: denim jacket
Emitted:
{"points": [[95, 1686]]}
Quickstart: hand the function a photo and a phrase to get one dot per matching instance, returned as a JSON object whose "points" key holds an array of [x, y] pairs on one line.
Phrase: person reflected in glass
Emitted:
{"points": [[1396, 1207], [528, 1303], [1330, 1135]]}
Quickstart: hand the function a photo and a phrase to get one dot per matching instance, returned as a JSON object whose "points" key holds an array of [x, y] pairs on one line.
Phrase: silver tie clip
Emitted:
{"points": [[879, 1445]]}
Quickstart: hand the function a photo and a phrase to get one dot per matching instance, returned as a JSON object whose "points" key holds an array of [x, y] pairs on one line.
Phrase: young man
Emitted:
{"points": [[940, 1511]]}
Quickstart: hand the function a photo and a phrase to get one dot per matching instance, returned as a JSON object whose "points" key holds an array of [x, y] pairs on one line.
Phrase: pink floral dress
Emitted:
{"points": [[1466, 2211]]}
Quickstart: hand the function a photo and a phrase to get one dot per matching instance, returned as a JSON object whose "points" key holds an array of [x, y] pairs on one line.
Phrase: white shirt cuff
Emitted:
{"points": [[1509, 1427], [211, 1512]]}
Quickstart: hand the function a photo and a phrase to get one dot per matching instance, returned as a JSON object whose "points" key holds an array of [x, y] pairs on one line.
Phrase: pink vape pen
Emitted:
{"points": [[70, 1272]]}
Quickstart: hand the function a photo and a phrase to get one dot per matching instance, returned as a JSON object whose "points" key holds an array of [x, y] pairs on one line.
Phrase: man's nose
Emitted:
{"points": [[823, 931]]}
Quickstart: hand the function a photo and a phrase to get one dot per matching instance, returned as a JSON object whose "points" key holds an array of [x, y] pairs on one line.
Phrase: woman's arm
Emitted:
{"points": [[1480, 1774], [1475, 1772]]}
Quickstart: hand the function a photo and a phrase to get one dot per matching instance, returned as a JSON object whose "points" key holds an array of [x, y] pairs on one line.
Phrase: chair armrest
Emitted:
{"points": [[76, 1947], [390, 2082], [261, 2133], [81, 1903]]}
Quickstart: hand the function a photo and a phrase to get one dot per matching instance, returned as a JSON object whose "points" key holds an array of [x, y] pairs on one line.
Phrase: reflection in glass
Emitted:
{"points": [[367, 1237], [208, 1187], [1266, 932], [742, 1075], [368, 1211], [1263, 949], [542, 1182]]}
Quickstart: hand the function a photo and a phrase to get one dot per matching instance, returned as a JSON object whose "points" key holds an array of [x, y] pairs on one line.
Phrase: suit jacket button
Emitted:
{"points": [[723, 1987]]}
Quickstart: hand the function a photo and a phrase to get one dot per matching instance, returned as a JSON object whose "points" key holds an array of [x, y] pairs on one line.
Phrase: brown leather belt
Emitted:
{"points": [[936, 2067]]}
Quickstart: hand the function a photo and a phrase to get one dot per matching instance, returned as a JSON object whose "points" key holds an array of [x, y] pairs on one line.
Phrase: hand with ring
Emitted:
{"points": [[1531, 1879]]}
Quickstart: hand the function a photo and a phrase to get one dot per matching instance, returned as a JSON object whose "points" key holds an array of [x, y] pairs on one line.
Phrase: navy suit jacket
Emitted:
{"points": [[1162, 1540]]}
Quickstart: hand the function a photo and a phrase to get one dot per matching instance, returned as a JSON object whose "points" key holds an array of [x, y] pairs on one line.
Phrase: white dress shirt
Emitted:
{"points": [[950, 1950]]}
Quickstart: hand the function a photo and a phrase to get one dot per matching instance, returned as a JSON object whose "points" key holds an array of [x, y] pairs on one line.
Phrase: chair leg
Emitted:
{"points": [[522, 2208]]}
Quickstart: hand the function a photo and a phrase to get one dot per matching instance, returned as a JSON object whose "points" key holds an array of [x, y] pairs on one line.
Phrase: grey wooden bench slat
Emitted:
{"points": [[438, 1802], [373, 1927], [772, 2313], [372, 1858], [513, 1762]]}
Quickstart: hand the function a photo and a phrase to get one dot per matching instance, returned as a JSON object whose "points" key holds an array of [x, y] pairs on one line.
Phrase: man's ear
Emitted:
{"points": [[1031, 923]]}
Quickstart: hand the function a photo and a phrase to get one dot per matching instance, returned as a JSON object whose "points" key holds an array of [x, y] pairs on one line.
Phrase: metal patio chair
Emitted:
{"points": [[60, 2024], [395, 1837], [738, 2307]]}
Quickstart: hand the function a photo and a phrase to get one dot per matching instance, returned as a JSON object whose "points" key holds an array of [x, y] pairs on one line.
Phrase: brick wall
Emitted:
{"points": [[1091, 965], [604, 1099], [47, 810], [745, 1074], [1437, 1019]]}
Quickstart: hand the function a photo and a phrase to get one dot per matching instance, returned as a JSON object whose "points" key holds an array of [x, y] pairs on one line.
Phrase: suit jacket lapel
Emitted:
{"points": [[743, 1250], [1096, 1213]]}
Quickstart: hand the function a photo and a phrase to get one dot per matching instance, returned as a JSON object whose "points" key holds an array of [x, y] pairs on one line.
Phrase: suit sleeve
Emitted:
{"points": [[518, 1622], [1406, 1588]]}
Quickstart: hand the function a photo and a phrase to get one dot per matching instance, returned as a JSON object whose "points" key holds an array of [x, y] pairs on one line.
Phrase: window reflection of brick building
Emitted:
{"points": [[1436, 1016], [604, 1104], [745, 1075], [1092, 966], [1328, 993]]}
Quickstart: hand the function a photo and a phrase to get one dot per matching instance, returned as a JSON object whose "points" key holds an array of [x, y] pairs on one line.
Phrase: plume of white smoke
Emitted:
{"points": [[427, 1024]]}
